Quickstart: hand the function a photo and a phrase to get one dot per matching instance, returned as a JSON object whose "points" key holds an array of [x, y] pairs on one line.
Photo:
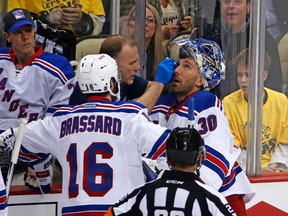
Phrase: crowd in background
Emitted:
{"points": [[226, 22]]}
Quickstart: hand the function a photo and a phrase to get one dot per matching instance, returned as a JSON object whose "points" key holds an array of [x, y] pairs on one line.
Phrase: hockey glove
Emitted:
{"points": [[40, 177], [165, 70], [30, 179], [7, 141]]}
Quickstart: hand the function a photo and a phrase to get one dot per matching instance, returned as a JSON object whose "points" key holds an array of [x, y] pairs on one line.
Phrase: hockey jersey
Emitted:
{"points": [[26, 91], [219, 169], [99, 145]]}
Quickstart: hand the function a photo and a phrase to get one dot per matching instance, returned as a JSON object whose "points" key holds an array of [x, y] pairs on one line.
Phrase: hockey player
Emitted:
{"points": [[99, 144], [201, 66], [30, 80], [179, 191]]}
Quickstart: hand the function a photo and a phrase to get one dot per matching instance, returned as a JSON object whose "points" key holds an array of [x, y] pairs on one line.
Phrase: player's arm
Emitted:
{"points": [[41, 163], [221, 154], [154, 89], [279, 159], [62, 87], [151, 95]]}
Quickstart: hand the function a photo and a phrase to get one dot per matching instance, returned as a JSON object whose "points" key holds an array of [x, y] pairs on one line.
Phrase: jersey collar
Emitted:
{"points": [[38, 51], [97, 98]]}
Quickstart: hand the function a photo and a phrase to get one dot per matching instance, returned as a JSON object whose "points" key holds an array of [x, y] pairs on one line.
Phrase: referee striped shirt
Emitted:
{"points": [[174, 194]]}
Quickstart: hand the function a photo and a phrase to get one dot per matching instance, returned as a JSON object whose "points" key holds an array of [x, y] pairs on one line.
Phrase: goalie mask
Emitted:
{"points": [[185, 145], [207, 54], [95, 73]]}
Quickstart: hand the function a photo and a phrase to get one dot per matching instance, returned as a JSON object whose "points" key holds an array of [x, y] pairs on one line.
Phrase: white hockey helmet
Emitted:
{"points": [[207, 54], [95, 72]]}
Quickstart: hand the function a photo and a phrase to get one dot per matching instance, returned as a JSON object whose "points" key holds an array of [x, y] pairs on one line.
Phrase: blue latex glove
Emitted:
{"points": [[165, 70]]}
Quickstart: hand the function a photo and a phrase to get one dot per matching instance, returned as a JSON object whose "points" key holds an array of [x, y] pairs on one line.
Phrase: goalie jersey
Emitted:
{"points": [[220, 169], [99, 145]]}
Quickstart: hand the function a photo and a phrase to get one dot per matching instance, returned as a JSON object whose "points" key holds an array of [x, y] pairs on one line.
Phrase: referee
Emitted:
{"points": [[179, 191]]}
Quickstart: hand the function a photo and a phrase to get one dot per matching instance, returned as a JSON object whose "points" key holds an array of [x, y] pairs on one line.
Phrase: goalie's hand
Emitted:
{"points": [[7, 141], [40, 177]]}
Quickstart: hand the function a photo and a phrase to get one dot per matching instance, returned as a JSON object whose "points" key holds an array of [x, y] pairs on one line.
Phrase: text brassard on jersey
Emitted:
{"points": [[91, 123]]}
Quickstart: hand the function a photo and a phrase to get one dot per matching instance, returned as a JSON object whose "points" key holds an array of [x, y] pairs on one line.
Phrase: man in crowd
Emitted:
{"points": [[231, 31]]}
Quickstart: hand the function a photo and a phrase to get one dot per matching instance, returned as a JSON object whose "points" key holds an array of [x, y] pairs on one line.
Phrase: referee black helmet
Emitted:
{"points": [[185, 145]]}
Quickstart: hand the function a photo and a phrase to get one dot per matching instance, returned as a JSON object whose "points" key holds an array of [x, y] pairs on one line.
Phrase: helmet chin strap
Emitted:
{"points": [[114, 86], [205, 84]]}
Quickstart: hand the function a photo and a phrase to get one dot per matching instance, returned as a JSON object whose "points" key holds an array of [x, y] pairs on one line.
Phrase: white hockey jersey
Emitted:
{"points": [[26, 91], [220, 169], [99, 145]]}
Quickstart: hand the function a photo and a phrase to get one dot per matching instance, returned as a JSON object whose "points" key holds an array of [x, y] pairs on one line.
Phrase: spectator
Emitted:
{"points": [[31, 80], [275, 118], [185, 153], [200, 67], [174, 18], [101, 141], [82, 16], [127, 5], [153, 38], [60, 23], [205, 10], [276, 17], [124, 50], [107, 24], [272, 23], [231, 32]]}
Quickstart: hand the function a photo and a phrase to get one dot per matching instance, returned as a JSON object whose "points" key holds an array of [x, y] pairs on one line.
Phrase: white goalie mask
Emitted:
{"points": [[95, 73]]}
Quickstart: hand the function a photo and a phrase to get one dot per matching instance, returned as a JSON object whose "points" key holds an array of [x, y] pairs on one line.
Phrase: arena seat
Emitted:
{"points": [[283, 54], [88, 45]]}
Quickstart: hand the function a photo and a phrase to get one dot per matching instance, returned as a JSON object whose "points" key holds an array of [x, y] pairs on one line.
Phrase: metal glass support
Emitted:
{"points": [[140, 37], [115, 17], [255, 101]]}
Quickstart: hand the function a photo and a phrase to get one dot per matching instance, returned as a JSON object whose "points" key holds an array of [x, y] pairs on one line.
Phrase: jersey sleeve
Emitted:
{"points": [[36, 146], [62, 84], [151, 137], [221, 154]]}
